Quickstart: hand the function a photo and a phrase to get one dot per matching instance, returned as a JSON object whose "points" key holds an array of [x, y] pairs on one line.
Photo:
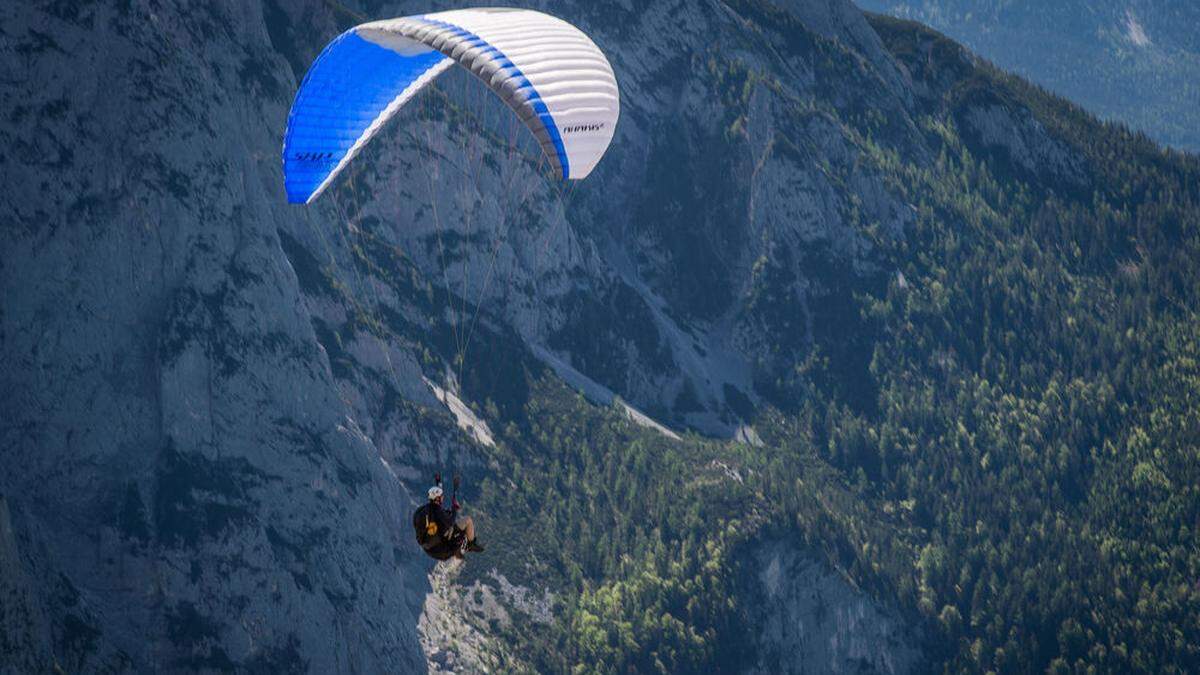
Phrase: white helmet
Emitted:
{"points": [[435, 492]]}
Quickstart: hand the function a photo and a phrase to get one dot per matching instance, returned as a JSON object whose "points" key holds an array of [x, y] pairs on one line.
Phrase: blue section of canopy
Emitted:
{"points": [[346, 89]]}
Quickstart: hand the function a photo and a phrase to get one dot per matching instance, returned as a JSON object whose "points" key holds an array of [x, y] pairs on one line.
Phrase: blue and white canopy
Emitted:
{"points": [[546, 70]]}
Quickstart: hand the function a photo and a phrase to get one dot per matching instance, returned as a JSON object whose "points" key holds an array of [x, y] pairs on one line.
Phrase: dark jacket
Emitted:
{"points": [[437, 531]]}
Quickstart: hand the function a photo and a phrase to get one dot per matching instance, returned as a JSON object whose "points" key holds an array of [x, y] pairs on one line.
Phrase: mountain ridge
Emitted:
{"points": [[1126, 61], [946, 316]]}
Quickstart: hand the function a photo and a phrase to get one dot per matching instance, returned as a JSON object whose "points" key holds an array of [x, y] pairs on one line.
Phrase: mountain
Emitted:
{"points": [[856, 353], [1137, 62]]}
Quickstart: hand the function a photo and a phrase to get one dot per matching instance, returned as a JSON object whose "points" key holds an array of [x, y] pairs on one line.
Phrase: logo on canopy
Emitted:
{"points": [[581, 128]]}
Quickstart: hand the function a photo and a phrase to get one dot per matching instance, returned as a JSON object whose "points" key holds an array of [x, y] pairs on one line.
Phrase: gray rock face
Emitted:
{"points": [[811, 620], [183, 486], [1024, 143], [216, 407], [24, 626]]}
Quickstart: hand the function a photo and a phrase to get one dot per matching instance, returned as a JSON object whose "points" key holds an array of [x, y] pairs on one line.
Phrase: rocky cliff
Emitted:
{"points": [[219, 409]]}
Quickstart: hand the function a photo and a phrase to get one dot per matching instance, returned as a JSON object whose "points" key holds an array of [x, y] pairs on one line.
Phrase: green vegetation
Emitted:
{"points": [[1017, 470], [995, 433], [638, 533]]}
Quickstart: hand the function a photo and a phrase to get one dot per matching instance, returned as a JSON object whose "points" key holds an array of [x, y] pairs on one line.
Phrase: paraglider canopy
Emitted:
{"points": [[547, 71]]}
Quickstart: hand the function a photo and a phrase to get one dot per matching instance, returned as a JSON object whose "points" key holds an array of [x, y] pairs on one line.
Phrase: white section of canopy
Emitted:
{"points": [[567, 73]]}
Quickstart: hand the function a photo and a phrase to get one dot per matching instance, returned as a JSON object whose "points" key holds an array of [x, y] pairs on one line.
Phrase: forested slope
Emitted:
{"points": [[855, 353], [1007, 451]]}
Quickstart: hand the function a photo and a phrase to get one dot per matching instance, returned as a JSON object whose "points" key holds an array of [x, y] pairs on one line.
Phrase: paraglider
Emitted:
{"points": [[440, 532], [547, 71], [553, 78]]}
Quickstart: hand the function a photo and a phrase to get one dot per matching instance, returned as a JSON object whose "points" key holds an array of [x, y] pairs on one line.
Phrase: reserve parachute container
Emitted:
{"points": [[548, 72]]}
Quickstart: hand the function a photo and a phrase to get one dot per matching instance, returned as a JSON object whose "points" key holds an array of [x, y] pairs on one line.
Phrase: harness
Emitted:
{"points": [[428, 531]]}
